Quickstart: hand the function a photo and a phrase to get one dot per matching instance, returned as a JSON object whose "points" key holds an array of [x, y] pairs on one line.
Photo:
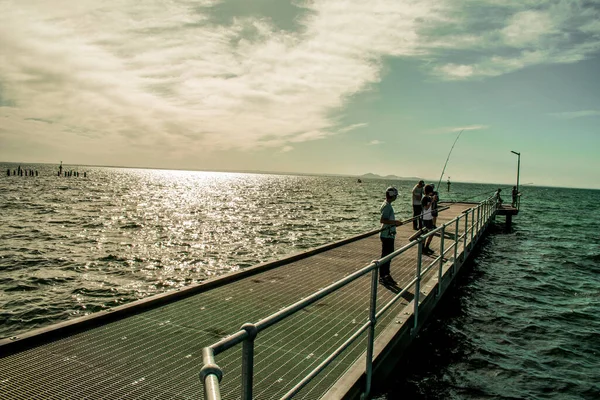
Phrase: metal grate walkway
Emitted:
{"points": [[156, 353]]}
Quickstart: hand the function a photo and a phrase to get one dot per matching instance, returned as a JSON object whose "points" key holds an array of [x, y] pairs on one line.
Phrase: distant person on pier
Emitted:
{"points": [[435, 198], [417, 195], [515, 196], [499, 200], [388, 234], [427, 203]]}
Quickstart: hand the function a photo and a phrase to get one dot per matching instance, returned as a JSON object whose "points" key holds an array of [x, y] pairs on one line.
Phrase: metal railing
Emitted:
{"points": [[475, 221]]}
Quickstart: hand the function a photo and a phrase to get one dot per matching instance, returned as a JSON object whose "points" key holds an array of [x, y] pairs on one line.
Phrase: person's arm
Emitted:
{"points": [[390, 221]]}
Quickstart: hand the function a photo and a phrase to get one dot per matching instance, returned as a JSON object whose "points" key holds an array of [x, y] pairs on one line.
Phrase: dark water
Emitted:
{"points": [[524, 323]]}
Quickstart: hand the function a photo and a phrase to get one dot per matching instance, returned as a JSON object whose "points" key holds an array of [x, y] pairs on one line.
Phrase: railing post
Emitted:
{"points": [[473, 223], [371, 338], [210, 375], [478, 220], [455, 247], [443, 234], [466, 235], [417, 287], [248, 361]]}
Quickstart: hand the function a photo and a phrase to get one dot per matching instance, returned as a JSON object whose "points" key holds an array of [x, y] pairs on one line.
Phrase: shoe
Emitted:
{"points": [[390, 280], [387, 280], [428, 251]]}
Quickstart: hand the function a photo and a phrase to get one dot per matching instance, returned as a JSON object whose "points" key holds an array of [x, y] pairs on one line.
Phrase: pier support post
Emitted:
{"points": [[508, 221]]}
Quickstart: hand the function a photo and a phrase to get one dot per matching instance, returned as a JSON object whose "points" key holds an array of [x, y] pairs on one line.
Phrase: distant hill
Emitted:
{"points": [[389, 177]]}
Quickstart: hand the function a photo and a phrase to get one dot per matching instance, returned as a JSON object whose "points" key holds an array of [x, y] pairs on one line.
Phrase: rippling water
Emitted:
{"points": [[524, 323]]}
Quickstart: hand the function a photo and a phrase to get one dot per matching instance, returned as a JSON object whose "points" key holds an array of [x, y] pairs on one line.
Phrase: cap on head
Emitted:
{"points": [[421, 183], [391, 192]]}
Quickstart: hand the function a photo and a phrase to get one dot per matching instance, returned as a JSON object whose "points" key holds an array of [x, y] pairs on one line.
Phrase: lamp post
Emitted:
{"points": [[518, 167]]}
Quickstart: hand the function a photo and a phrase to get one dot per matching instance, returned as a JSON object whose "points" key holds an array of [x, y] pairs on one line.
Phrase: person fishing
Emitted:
{"points": [[417, 195], [387, 234], [499, 200], [515, 196], [427, 203], [435, 198]]}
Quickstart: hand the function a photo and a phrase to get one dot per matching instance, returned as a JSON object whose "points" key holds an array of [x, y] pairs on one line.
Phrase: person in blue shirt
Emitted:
{"points": [[388, 234]]}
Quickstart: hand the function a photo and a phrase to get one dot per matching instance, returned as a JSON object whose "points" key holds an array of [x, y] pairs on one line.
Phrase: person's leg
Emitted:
{"points": [[387, 247], [417, 222], [429, 225]]}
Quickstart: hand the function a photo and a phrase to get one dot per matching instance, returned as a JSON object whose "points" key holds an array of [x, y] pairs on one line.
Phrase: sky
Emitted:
{"points": [[328, 86]]}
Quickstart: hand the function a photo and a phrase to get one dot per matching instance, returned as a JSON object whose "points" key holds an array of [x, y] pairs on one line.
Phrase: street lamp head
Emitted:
{"points": [[514, 152]]}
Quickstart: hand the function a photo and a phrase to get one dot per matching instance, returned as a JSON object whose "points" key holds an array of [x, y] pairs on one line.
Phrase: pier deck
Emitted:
{"points": [[152, 349]]}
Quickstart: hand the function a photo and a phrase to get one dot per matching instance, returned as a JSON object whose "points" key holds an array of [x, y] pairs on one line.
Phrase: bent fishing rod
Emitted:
{"points": [[448, 158]]}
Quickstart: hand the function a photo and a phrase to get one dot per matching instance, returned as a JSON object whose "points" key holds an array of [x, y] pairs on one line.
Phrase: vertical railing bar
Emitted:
{"points": [[455, 246], [248, 361], [417, 287], [466, 235], [478, 220], [443, 232], [210, 375], [473, 222], [371, 335]]}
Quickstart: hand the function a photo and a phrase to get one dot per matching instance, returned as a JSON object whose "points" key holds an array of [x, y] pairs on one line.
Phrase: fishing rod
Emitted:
{"points": [[448, 158], [491, 191]]}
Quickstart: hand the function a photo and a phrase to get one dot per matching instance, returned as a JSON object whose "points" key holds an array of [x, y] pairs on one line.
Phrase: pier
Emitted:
{"points": [[313, 325]]}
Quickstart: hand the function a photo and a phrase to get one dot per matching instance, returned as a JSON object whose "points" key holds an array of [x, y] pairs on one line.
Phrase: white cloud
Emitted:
{"points": [[155, 73], [576, 114], [168, 74], [501, 37], [352, 127], [375, 142], [528, 28], [470, 128], [453, 71]]}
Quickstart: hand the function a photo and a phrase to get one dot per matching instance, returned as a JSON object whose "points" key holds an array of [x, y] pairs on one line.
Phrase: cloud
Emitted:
{"points": [[171, 75], [352, 127], [174, 75], [495, 38], [576, 114], [470, 128], [375, 142]]}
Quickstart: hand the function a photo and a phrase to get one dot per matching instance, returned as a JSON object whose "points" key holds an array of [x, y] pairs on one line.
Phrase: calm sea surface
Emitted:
{"points": [[523, 323]]}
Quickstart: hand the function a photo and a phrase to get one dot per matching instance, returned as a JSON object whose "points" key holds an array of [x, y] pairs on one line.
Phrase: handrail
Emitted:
{"points": [[211, 373]]}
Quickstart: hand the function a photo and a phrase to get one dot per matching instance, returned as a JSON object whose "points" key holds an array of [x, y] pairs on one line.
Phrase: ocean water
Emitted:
{"points": [[523, 322]]}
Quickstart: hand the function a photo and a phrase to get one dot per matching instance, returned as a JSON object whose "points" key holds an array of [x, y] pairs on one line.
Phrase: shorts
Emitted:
{"points": [[428, 223], [434, 213]]}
